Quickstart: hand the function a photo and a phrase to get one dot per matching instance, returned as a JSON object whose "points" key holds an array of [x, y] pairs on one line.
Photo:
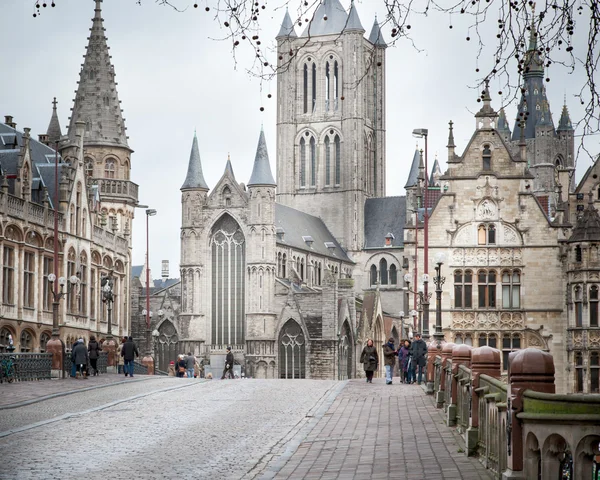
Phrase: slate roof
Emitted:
{"points": [[588, 227], [376, 37], [565, 120], [261, 173], [96, 101], [42, 158], [382, 216], [502, 122], [435, 169], [353, 23], [195, 177], [136, 271], [297, 224], [287, 27], [413, 175], [329, 18]]}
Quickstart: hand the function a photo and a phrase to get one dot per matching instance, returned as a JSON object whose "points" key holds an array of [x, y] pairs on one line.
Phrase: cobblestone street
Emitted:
{"points": [[250, 429]]}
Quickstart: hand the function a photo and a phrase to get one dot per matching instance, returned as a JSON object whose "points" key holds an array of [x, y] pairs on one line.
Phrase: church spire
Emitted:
{"points": [[96, 101], [53, 131], [195, 177], [565, 119], [353, 23], [229, 168], [330, 18], [287, 27], [413, 176], [261, 173], [376, 37]]}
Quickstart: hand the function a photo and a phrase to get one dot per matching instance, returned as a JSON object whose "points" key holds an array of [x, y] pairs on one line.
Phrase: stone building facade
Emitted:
{"points": [[94, 198]]}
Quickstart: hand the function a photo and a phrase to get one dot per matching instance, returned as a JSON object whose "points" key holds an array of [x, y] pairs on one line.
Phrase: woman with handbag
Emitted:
{"points": [[370, 359]]}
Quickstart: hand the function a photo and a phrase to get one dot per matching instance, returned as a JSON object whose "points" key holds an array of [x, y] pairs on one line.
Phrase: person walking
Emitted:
{"points": [[129, 351], [190, 362], [418, 349], [370, 360], [389, 360], [120, 361], [228, 370], [94, 354], [79, 356], [73, 366], [403, 358]]}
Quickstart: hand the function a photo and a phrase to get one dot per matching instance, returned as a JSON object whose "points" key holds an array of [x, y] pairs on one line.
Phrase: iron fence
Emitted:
{"points": [[29, 366]]}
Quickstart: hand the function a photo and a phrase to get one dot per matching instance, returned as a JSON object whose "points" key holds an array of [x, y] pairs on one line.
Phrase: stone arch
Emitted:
{"points": [[556, 457], [14, 233], [292, 351], [587, 456], [27, 340], [34, 239], [5, 331], [345, 348]]}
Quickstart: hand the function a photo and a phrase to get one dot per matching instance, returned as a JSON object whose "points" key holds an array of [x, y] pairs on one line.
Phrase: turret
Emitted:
{"points": [[451, 146], [194, 189], [503, 128], [53, 133]]}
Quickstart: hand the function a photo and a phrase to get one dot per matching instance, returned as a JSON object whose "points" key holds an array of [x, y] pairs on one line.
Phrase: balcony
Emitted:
{"points": [[118, 190]]}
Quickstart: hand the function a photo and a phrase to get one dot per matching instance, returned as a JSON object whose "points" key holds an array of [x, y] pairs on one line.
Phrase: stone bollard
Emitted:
{"points": [[432, 352], [446, 354], [484, 360], [56, 348], [148, 362], [529, 369], [461, 355], [110, 347]]}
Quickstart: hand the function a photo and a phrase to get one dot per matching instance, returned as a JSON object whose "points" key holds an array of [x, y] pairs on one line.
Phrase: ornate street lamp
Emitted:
{"points": [[155, 335], [440, 259], [424, 297], [106, 284]]}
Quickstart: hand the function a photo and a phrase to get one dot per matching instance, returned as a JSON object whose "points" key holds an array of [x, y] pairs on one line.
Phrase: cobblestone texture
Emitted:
{"points": [[216, 429]]}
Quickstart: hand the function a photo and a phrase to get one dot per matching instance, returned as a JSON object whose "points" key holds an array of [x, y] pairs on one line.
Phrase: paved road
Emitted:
{"points": [[244, 429]]}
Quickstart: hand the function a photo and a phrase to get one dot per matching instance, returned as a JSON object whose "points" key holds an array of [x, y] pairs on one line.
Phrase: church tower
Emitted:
{"points": [[331, 119], [107, 155], [261, 317]]}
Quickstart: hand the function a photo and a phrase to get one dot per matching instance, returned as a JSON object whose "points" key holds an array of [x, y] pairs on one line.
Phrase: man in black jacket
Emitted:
{"points": [[418, 349], [228, 370], [129, 352]]}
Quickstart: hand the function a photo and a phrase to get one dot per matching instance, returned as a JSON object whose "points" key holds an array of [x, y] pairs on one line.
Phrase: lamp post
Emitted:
{"points": [[108, 297], [148, 361], [423, 303], [401, 325], [155, 335], [55, 345], [440, 259]]}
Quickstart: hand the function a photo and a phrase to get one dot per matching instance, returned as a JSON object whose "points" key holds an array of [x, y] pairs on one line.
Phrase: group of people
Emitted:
{"points": [[186, 366], [412, 359], [84, 360]]}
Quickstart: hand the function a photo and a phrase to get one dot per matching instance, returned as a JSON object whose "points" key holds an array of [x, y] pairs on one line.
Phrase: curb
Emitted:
{"points": [[24, 403], [91, 410]]}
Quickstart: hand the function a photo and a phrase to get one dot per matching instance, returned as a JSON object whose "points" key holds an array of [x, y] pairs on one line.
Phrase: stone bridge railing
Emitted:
{"points": [[520, 429]]}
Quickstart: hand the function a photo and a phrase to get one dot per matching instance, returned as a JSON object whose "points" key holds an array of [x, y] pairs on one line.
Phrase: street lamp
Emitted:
{"points": [[149, 213], [106, 284], [155, 335], [423, 133], [57, 296], [401, 325], [440, 259], [423, 302]]}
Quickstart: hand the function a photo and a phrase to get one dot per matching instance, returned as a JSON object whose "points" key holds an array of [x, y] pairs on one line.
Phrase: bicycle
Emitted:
{"points": [[7, 369]]}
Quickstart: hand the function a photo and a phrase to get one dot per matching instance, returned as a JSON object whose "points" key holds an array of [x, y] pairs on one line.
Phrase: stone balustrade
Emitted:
{"points": [[31, 212], [520, 429], [118, 189]]}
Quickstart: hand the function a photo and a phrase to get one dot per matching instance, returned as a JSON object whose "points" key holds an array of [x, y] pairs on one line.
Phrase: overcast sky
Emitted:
{"points": [[173, 78]]}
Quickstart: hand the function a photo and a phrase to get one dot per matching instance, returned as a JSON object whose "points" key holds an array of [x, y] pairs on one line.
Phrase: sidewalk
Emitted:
{"points": [[17, 393], [379, 431]]}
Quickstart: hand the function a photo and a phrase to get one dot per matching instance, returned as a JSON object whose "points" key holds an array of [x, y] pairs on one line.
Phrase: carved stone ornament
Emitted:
{"points": [[510, 236], [487, 210], [464, 236], [578, 339], [594, 339]]}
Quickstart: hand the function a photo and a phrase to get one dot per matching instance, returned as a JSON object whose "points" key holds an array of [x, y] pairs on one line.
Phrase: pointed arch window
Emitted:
{"points": [[336, 92], [302, 162], [305, 89], [393, 275], [578, 372], [594, 372], [327, 86], [578, 307], [594, 306], [486, 234], [8, 275], [383, 271], [89, 167], [283, 265], [313, 162], [314, 87], [292, 351], [327, 161], [338, 154], [487, 339], [578, 254], [487, 158], [109, 168], [373, 271]]}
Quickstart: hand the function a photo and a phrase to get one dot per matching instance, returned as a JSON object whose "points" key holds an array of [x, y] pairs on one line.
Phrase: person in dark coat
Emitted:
{"points": [[403, 361], [94, 354], [389, 360], [370, 359], [129, 352], [190, 363], [79, 356], [228, 370], [181, 366], [418, 350]]}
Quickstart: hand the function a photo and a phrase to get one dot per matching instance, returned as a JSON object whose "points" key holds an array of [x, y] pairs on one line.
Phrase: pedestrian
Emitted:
{"points": [[120, 361], [79, 356], [94, 354], [370, 359], [129, 351], [228, 370], [171, 371], [181, 366], [73, 365], [389, 359], [190, 361], [418, 349], [403, 359]]}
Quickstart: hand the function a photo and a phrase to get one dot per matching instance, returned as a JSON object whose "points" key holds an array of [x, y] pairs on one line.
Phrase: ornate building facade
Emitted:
{"points": [[95, 199]]}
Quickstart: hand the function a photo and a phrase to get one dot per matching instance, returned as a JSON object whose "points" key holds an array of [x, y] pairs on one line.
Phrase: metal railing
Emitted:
{"points": [[29, 366]]}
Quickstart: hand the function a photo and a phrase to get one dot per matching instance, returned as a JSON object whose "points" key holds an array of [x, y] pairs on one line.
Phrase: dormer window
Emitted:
{"points": [[280, 232], [388, 239], [308, 240], [331, 247], [486, 158]]}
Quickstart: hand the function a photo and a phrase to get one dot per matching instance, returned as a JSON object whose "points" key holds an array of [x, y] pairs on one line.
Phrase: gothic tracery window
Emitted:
{"points": [[292, 351]]}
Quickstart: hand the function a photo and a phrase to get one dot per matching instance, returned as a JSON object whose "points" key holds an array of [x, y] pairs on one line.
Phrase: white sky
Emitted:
{"points": [[172, 78]]}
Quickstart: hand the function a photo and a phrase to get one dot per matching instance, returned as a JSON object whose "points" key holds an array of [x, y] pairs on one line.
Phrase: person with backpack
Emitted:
{"points": [[94, 354]]}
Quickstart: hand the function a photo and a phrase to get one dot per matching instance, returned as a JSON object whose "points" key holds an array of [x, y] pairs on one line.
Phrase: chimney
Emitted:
{"points": [[8, 119], [43, 138], [165, 270]]}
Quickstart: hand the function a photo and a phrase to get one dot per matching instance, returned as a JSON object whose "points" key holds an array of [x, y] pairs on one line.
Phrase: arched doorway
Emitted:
{"points": [[292, 351], [345, 353], [166, 348]]}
